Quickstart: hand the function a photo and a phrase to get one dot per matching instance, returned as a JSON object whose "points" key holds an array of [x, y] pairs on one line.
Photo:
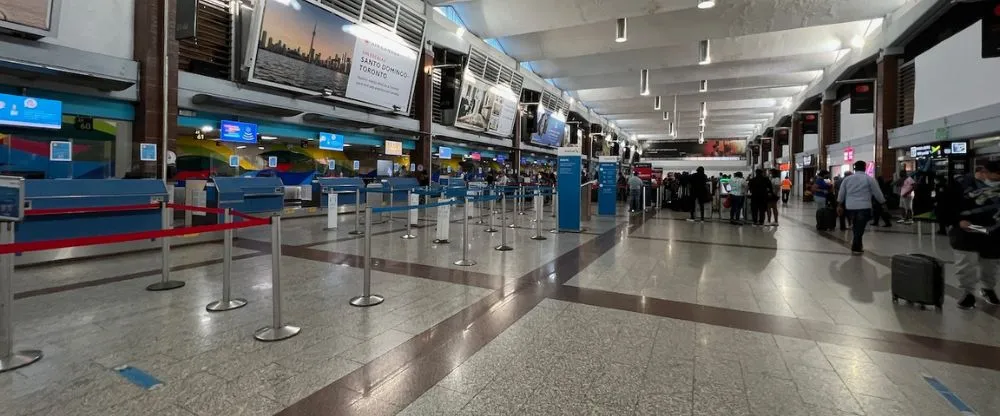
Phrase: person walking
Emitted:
{"points": [[760, 193], [786, 190], [737, 196], [698, 191], [973, 235], [635, 192], [855, 202], [878, 211], [844, 220]]}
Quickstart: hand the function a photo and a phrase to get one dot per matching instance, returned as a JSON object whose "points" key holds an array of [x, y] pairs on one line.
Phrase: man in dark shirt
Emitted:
{"points": [[975, 233], [698, 191]]}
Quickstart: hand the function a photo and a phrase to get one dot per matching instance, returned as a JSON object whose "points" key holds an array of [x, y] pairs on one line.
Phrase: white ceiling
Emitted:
{"points": [[763, 53]]}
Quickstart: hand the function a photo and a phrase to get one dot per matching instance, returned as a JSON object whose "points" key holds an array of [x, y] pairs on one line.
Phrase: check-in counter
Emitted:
{"points": [[454, 187], [43, 195], [344, 188], [262, 196], [399, 187]]}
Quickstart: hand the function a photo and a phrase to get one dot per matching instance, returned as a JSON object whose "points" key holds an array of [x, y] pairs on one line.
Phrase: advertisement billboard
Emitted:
{"points": [[550, 127], [310, 48], [20, 111], [236, 132], [711, 148], [33, 17], [486, 107]]}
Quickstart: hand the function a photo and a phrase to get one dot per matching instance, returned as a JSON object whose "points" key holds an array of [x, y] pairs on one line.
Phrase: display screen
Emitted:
{"points": [[16, 110], [475, 156], [330, 141], [309, 48], [444, 152], [236, 132], [393, 148], [959, 148], [550, 127]]}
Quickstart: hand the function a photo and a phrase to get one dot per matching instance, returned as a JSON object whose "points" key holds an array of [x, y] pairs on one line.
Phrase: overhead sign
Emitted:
{"points": [[11, 198], [486, 107], [849, 155], [810, 123], [307, 48], [475, 156], [237, 132], [991, 30], [330, 141], [147, 152], [550, 127], [61, 151], [20, 111], [501, 159], [863, 98], [807, 160], [444, 152], [959, 148], [393, 148], [186, 15]]}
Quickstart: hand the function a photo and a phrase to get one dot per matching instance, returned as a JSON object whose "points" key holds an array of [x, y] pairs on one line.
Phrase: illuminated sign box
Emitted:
{"points": [[236, 132], [393, 148]]}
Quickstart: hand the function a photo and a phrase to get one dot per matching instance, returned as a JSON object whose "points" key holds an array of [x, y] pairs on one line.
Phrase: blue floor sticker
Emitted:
{"points": [[139, 377], [949, 396]]}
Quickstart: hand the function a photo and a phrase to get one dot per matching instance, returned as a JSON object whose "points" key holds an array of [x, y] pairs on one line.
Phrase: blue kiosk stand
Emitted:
{"points": [[607, 184], [569, 170]]}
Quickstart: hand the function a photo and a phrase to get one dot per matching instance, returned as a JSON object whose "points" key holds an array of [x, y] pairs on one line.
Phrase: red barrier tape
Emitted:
{"points": [[125, 237], [89, 210]]}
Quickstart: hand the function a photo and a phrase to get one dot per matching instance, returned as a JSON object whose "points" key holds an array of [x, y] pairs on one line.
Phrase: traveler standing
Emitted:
{"points": [[906, 195], [635, 192], [760, 192], [698, 191], [772, 199], [786, 190], [842, 218], [737, 196], [974, 235], [855, 201]]}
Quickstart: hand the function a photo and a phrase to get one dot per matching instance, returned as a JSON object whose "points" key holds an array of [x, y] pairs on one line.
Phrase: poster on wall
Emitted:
{"points": [[550, 127], [147, 152], [486, 107], [27, 16], [60, 151], [991, 30], [308, 48], [863, 98]]}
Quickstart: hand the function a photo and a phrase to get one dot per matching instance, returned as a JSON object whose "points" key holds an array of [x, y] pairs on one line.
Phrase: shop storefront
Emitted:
{"points": [[805, 172], [842, 156]]}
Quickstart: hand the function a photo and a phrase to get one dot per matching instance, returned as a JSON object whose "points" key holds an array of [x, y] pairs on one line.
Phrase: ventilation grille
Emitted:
{"points": [[351, 8], [410, 26], [517, 83], [492, 73], [906, 89], [381, 13], [477, 62], [209, 52], [550, 101], [438, 114], [385, 14]]}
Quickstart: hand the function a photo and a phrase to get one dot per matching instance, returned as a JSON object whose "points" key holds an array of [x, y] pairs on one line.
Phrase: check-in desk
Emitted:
{"points": [[345, 189], [261, 196], [454, 187], [70, 194], [399, 188]]}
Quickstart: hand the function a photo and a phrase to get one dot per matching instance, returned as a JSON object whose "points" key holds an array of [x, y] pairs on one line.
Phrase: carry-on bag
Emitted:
{"points": [[917, 279]]}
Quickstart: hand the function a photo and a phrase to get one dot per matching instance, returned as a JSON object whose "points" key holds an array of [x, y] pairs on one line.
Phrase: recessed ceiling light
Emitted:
{"points": [[268, 138], [460, 31], [706, 4], [621, 30], [206, 129]]}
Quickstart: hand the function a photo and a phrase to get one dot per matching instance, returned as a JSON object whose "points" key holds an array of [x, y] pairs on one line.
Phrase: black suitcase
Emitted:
{"points": [[917, 279], [826, 218]]}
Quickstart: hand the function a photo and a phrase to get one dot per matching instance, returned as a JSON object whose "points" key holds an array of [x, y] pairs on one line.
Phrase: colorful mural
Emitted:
{"points": [[25, 152]]}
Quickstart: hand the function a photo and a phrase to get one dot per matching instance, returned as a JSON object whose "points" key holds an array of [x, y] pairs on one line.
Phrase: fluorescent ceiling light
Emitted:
{"points": [[268, 138], [644, 82], [206, 129], [621, 30], [706, 4], [240, 147], [704, 52], [666, 115], [656, 103], [703, 86], [704, 109]]}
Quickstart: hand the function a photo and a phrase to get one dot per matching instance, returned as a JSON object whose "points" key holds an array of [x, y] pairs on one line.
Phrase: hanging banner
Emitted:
{"points": [[863, 98], [991, 30], [307, 48], [607, 178], [486, 107]]}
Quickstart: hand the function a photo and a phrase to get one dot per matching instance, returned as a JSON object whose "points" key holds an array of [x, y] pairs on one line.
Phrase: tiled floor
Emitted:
{"points": [[645, 315]]}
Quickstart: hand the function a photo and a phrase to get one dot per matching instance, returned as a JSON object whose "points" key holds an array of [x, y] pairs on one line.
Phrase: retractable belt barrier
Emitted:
{"points": [[10, 359]]}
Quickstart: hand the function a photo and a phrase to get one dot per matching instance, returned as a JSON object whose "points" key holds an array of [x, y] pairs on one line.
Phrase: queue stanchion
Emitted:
{"points": [[357, 213], [555, 212], [278, 330], [520, 201], [513, 213], [492, 228], [10, 359], [367, 298], [165, 283], [227, 302], [538, 217], [409, 227], [503, 230], [465, 237], [535, 205], [481, 204]]}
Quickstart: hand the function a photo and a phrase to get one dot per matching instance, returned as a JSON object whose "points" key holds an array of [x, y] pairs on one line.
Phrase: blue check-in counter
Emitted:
{"points": [[41, 194], [261, 196], [345, 188], [454, 187], [399, 187]]}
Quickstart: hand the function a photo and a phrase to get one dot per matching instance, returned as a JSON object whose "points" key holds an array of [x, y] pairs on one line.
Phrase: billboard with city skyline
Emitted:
{"points": [[29, 16], [312, 49]]}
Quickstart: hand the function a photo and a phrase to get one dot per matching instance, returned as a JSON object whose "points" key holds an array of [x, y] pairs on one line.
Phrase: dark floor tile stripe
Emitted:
{"points": [[918, 346], [714, 243], [399, 377]]}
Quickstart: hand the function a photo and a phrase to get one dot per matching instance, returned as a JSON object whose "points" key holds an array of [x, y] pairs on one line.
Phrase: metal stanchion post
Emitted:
{"points": [[465, 238], [520, 201], [409, 228], [367, 298], [513, 214], [357, 213], [278, 330], [227, 303], [555, 212], [165, 283], [491, 228], [503, 230], [538, 217], [10, 359]]}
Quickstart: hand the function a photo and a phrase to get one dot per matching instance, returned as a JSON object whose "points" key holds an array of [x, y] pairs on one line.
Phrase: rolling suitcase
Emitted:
{"points": [[826, 219], [917, 279]]}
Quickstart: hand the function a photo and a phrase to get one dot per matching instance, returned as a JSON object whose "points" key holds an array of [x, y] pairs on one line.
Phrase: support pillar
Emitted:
{"points": [[424, 102], [148, 39], [795, 140], [886, 114], [825, 129], [515, 163]]}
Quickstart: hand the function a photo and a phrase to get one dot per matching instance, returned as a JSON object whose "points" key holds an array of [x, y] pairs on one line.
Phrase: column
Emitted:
{"points": [[794, 143], [424, 102], [886, 113], [148, 51], [515, 156], [825, 128]]}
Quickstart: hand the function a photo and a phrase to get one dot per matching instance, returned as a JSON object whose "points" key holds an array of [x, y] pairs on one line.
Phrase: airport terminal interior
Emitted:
{"points": [[499, 207]]}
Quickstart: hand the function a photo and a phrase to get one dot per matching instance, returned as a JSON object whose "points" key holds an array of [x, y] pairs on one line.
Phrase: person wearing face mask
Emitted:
{"points": [[974, 236]]}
